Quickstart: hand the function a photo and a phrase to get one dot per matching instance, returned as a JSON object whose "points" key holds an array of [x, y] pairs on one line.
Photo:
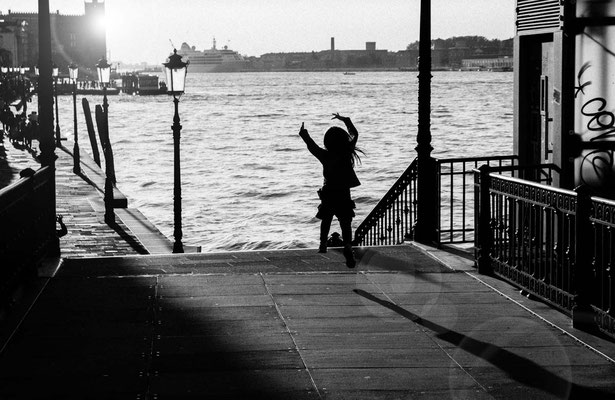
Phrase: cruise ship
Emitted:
{"points": [[212, 60]]}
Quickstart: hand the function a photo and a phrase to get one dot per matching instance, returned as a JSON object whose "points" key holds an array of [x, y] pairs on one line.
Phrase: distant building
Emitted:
{"points": [[497, 64], [79, 39], [9, 36]]}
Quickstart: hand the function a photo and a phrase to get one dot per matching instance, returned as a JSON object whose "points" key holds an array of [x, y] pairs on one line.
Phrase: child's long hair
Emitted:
{"points": [[337, 140]]}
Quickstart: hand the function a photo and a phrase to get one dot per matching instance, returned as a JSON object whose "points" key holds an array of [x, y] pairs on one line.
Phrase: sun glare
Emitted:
{"points": [[100, 24]]}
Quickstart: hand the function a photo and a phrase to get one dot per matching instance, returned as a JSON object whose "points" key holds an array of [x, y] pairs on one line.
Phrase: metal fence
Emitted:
{"points": [[531, 234], [456, 194], [391, 221], [602, 237]]}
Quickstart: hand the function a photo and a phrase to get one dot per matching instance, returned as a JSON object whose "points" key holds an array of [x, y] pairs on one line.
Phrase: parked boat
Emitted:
{"points": [[212, 60], [142, 84]]}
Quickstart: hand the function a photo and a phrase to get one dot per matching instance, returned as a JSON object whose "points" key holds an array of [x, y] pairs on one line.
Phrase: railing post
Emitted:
{"points": [[583, 316], [426, 229], [483, 233]]}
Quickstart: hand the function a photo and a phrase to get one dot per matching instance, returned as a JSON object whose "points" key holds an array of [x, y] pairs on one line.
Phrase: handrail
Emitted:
{"points": [[374, 230]]}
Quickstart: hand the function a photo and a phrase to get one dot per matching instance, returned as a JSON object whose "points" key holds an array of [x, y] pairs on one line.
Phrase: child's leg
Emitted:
{"points": [[345, 224], [325, 225]]}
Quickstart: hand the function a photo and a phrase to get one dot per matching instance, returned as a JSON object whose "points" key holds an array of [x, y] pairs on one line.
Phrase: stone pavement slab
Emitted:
{"points": [[254, 325]]}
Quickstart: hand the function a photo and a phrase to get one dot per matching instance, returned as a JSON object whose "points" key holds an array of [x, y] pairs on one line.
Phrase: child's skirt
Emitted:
{"points": [[335, 201]]}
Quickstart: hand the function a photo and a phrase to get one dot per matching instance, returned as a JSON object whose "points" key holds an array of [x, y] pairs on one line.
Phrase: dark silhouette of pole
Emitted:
{"points": [[58, 138], [425, 229], [178, 247], [76, 155], [45, 87], [47, 156], [109, 180]]}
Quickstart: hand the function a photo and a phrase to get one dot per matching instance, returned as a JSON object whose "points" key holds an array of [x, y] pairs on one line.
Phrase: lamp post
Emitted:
{"points": [[73, 71], [425, 229], [176, 70], [55, 72], [22, 89], [104, 77]]}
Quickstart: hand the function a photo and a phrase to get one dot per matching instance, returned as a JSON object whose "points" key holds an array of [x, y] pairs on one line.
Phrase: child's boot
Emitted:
{"points": [[349, 255]]}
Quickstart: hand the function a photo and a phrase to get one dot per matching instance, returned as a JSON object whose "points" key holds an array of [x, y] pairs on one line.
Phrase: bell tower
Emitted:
{"points": [[96, 32]]}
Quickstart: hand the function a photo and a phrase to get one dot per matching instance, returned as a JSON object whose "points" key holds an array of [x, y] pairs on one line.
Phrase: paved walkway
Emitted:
{"points": [[408, 323], [80, 202], [295, 325]]}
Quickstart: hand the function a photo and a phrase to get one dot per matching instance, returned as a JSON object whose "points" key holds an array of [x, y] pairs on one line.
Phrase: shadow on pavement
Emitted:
{"points": [[518, 368]]}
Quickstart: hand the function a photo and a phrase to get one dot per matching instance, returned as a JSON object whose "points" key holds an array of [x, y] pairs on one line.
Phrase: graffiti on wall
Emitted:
{"points": [[595, 167], [594, 114]]}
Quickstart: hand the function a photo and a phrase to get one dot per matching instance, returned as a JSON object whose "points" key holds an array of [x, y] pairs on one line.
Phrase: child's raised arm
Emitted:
{"points": [[354, 134], [316, 150]]}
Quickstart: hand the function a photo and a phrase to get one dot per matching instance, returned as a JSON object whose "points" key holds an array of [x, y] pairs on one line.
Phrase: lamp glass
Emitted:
{"points": [[104, 71], [55, 71], [175, 70], [4, 69], [73, 71]]}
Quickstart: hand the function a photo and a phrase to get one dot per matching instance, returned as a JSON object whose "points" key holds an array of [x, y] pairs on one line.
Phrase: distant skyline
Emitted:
{"points": [[141, 30]]}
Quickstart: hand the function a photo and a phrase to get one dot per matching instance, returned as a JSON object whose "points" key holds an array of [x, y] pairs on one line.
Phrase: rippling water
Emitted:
{"points": [[248, 181]]}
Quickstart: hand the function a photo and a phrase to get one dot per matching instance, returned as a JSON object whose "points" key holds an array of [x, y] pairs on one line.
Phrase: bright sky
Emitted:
{"points": [[139, 30]]}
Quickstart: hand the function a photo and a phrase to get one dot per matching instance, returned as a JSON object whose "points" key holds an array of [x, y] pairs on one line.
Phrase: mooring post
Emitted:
{"points": [[91, 132]]}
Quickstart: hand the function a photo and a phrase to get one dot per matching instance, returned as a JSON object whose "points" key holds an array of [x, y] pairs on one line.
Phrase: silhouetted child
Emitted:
{"points": [[337, 158]]}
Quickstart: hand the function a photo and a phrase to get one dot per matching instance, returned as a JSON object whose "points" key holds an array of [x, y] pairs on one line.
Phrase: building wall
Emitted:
{"points": [[8, 47], [74, 38]]}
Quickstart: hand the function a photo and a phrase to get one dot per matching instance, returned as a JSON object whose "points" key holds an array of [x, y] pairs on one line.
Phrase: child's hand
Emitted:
{"points": [[338, 116], [302, 131]]}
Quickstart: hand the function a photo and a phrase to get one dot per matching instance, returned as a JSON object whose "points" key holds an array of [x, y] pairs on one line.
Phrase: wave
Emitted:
{"points": [[256, 245]]}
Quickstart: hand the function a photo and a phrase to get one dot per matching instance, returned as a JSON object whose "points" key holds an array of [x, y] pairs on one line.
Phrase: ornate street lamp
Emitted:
{"points": [[104, 77], [176, 70], [55, 72], [73, 71]]}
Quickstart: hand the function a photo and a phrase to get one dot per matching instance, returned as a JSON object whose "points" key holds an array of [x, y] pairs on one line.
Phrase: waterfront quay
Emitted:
{"points": [[107, 320]]}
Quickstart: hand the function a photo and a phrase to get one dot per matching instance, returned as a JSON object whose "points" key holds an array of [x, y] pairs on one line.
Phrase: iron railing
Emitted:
{"points": [[27, 229], [602, 235], [528, 233], [390, 222], [456, 191]]}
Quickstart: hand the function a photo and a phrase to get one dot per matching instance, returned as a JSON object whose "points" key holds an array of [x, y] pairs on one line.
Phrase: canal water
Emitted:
{"points": [[248, 182]]}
